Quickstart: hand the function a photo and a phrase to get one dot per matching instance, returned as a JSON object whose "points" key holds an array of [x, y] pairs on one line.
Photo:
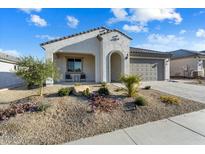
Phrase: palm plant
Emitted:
{"points": [[131, 83]]}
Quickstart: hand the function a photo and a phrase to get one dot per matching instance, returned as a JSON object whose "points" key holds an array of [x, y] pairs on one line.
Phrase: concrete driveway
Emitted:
{"points": [[189, 91]]}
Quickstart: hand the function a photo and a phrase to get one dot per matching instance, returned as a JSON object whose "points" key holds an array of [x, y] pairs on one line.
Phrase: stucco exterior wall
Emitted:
{"points": [[88, 63], [110, 45], [167, 69], [7, 77], [201, 66], [82, 46], [177, 66]]}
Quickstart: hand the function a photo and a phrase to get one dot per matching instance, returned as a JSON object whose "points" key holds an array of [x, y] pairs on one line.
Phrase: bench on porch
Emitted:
{"points": [[75, 77]]}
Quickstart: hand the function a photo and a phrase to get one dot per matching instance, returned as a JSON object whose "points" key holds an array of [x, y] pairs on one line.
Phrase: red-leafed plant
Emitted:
{"points": [[100, 103]]}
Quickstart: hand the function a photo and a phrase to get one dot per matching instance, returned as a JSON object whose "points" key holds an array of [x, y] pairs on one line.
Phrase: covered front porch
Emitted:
{"points": [[75, 67]]}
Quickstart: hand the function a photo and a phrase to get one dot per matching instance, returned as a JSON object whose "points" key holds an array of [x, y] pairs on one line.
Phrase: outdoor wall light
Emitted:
{"points": [[126, 57]]}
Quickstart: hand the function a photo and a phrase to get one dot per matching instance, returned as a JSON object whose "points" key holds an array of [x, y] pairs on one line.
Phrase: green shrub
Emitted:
{"points": [[131, 83], [86, 92], [43, 106], [170, 99], [140, 101], [103, 84], [77, 84], [64, 92], [103, 91], [199, 81], [147, 87], [35, 72], [119, 89]]}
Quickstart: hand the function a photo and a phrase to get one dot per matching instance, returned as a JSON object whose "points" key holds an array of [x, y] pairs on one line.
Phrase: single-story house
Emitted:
{"points": [[187, 63], [103, 55], [7, 76]]}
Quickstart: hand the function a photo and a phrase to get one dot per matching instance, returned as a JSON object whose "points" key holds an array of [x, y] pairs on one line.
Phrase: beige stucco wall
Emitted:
{"points": [[101, 49], [108, 46], [88, 62], [177, 66], [6, 66], [7, 76]]}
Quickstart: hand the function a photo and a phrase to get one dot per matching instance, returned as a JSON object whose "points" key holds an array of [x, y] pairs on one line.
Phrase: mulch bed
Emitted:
{"points": [[68, 119]]}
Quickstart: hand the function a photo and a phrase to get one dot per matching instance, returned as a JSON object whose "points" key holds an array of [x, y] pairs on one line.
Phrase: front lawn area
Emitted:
{"points": [[70, 118]]}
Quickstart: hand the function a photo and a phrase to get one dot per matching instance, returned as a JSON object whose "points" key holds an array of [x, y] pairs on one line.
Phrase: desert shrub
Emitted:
{"points": [[147, 87], [103, 84], [64, 92], [131, 83], [100, 103], [119, 89], [86, 92], [140, 101], [199, 81], [43, 106], [103, 91], [77, 84], [35, 72], [170, 99], [15, 109]]}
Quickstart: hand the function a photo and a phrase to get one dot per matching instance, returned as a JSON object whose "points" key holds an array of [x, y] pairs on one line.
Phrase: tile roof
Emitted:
{"points": [[9, 58], [115, 30], [88, 31], [73, 35], [182, 53], [148, 52]]}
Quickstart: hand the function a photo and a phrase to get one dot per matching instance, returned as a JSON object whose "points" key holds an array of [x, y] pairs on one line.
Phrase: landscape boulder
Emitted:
{"points": [[78, 90]]}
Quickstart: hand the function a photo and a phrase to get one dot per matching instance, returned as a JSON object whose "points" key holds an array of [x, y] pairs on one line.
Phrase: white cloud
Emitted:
{"points": [[72, 21], [11, 52], [46, 37], [199, 13], [171, 42], [165, 39], [143, 16], [146, 15], [135, 28], [162, 42], [119, 15], [182, 31], [38, 21], [30, 10], [200, 33]]}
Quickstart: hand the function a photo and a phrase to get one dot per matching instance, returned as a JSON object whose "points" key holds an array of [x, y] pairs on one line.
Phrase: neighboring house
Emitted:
{"points": [[102, 54], [7, 76], [187, 63]]}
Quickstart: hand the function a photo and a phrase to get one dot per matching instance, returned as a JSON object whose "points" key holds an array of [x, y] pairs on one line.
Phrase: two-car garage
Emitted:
{"points": [[149, 64]]}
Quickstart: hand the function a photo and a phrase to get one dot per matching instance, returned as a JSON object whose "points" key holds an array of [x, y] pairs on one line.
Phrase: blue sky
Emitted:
{"points": [[22, 30]]}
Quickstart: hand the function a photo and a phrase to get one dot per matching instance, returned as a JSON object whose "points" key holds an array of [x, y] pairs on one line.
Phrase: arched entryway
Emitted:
{"points": [[116, 66]]}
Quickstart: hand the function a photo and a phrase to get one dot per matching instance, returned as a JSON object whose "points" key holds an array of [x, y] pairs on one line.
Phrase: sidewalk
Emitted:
{"points": [[184, 129]]}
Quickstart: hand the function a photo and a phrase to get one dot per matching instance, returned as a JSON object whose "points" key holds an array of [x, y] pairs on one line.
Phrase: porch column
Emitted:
{"points": [[97, 68]]}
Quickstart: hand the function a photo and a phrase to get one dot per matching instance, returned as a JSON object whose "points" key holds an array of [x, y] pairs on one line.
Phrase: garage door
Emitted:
{"points": [[149, 69]]}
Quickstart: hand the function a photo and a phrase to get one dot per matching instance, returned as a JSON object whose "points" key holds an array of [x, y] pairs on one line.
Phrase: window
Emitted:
{"points": [[74, 65]]}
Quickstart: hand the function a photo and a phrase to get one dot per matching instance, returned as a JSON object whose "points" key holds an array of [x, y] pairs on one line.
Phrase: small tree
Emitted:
{"points": [[35, 71], [131, 83]]}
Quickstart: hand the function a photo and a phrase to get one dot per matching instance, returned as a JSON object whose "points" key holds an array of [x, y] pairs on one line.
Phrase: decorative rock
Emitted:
{"points": [[78, 90]]}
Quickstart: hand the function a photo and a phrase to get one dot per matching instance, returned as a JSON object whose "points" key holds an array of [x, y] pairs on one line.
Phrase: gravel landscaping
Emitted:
{"points": [[69, 118]]}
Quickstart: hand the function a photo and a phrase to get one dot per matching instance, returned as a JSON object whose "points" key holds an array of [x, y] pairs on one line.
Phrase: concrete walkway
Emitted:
{"points": [[184, 129]]}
